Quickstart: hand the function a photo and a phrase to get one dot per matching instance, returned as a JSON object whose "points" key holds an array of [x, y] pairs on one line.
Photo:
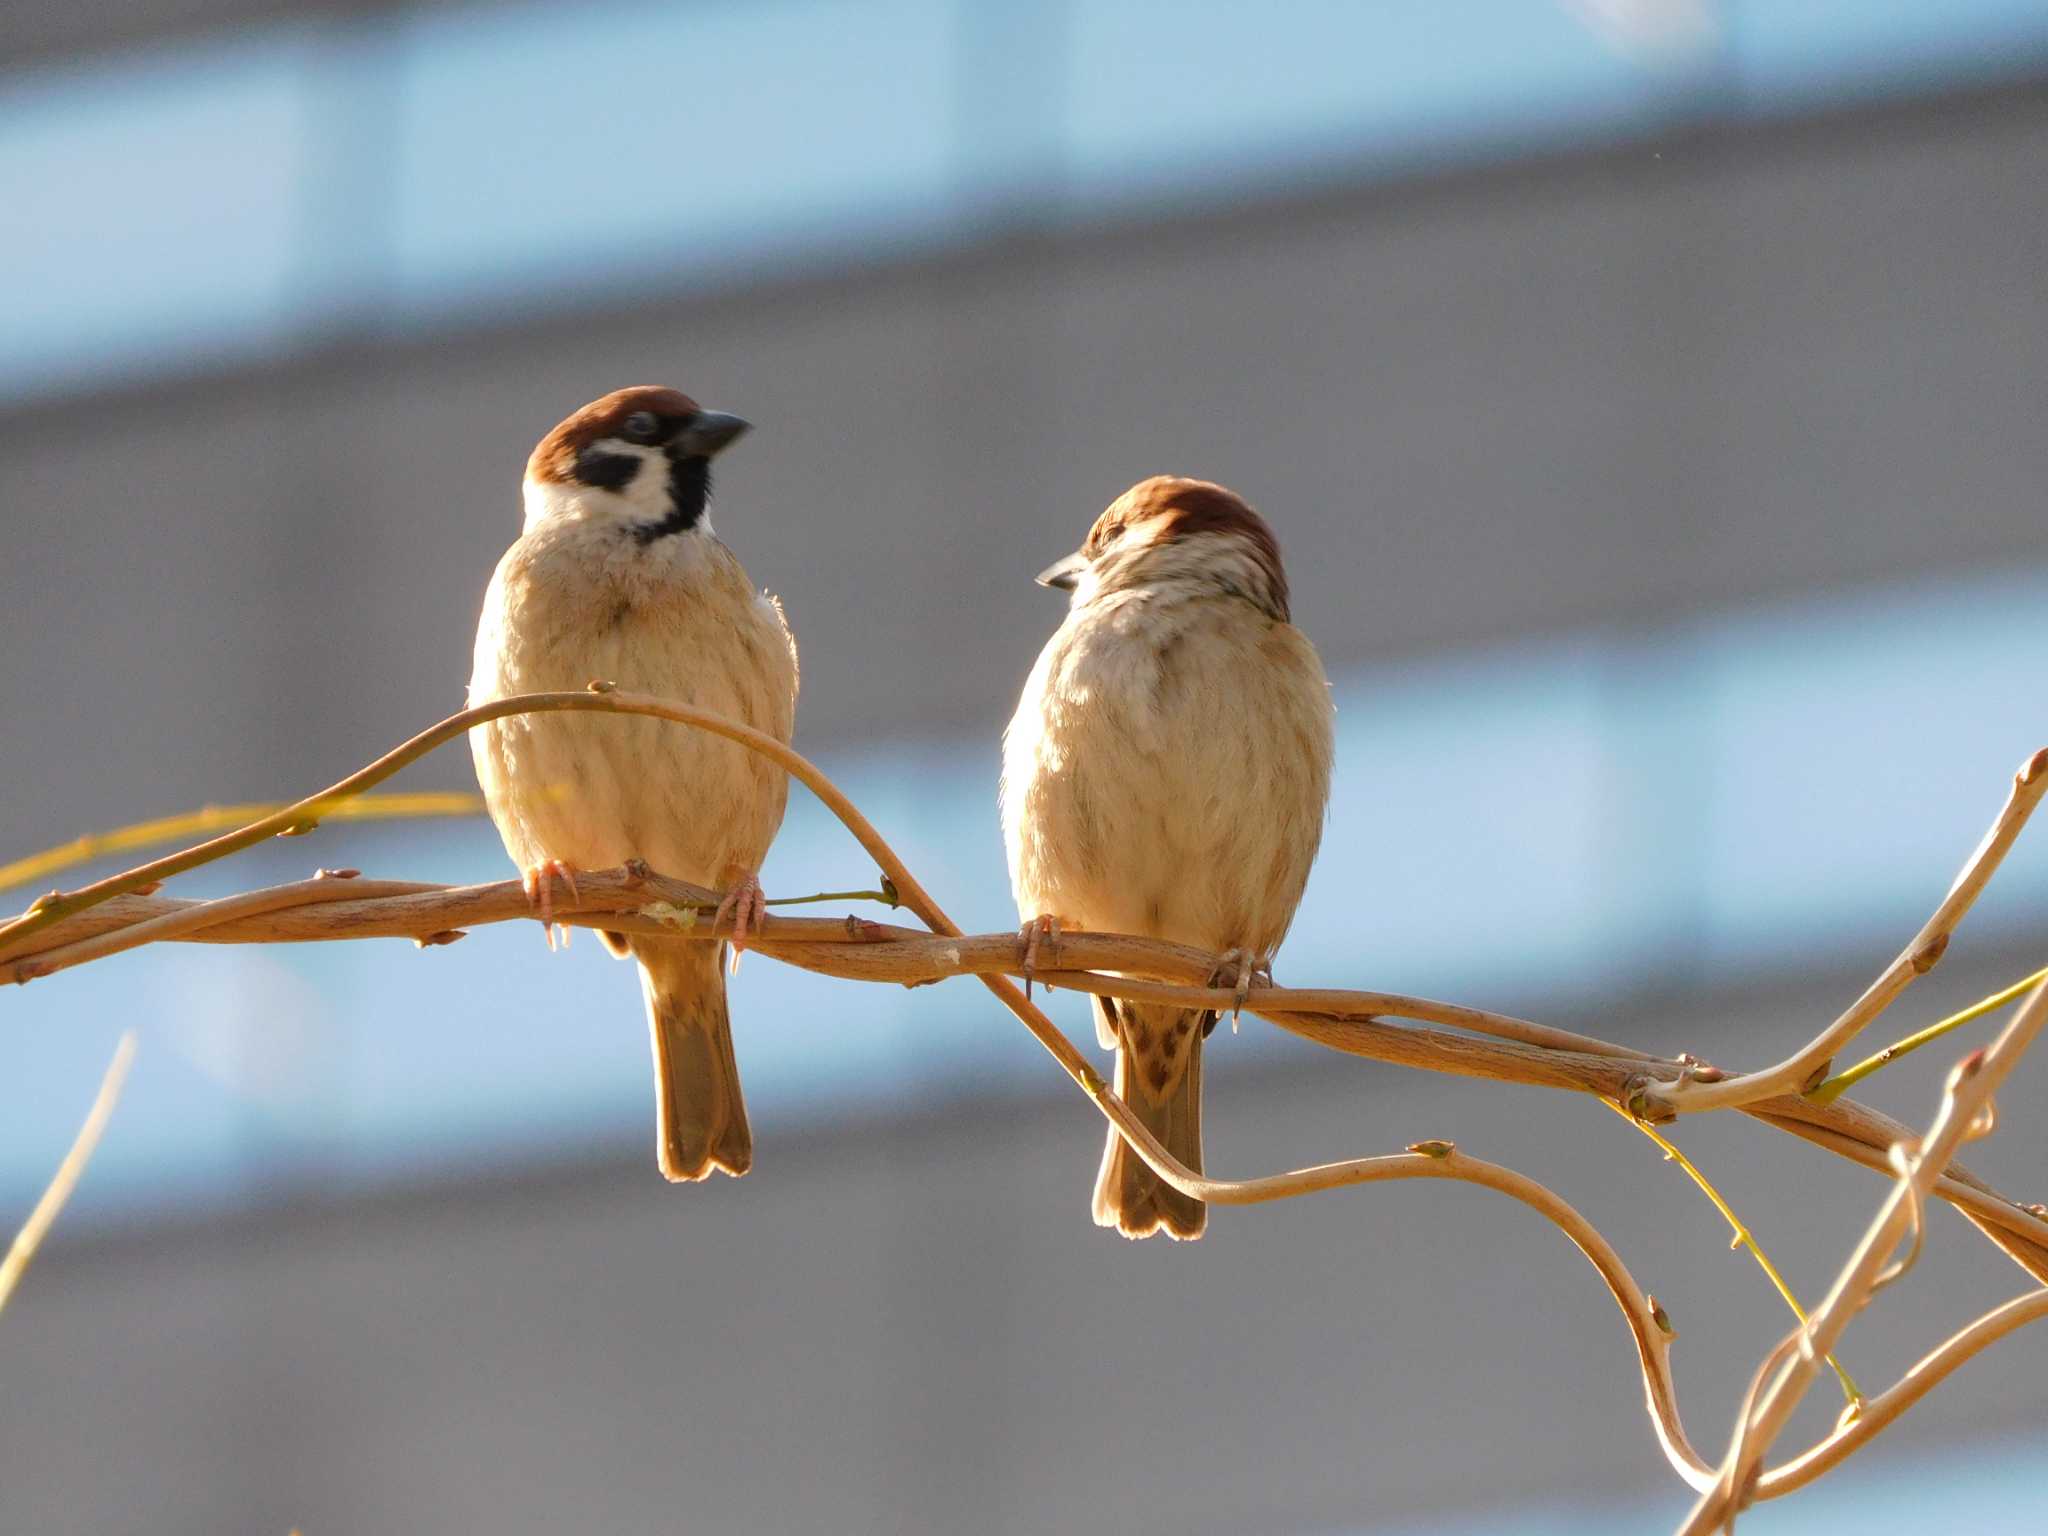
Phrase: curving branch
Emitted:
{"points": [[1878, 1413], [337, 905], [1791, 1368], [22, 1251], [1647, 1322], [1807, 1067], [123, 912]]}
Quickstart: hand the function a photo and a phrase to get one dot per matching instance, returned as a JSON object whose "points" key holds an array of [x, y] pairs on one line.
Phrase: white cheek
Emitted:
{"points": [[642, 499], [546, 501]]}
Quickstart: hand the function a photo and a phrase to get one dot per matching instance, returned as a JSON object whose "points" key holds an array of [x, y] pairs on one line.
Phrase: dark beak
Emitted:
{"points": [[1064, 575], [707, 432]]}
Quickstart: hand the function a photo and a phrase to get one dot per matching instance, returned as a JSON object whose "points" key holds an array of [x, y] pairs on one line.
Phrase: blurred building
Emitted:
{"points": [[1648, 395]]}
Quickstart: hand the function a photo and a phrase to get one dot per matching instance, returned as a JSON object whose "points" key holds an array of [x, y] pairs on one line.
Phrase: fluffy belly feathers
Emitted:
{"points": [[594, 791], [1148, 789]]}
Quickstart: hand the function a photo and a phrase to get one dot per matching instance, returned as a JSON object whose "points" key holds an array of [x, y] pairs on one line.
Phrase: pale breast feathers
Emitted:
{"points": [[595, 791], [1152, 785]]}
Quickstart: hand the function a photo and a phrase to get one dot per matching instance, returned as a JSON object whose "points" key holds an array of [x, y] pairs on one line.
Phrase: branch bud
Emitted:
{"points": [[1661, 1318]]}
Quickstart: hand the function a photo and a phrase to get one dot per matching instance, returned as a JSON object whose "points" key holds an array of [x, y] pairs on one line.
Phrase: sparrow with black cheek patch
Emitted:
{"points": [[1166, 774], [618, 576]]}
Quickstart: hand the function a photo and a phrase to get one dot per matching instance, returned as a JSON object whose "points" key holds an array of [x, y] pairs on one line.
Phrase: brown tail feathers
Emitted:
{"points": [[1159, 1074], [700, 1119]]}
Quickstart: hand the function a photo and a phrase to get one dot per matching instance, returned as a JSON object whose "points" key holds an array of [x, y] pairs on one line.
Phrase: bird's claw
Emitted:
{"points": [[539, 883], [1043, 929], [746, 904], [1250, 971]]}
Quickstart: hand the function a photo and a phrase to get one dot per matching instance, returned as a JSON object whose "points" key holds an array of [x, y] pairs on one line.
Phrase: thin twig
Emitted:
{"points": [[1744, 1238], [218, 818], [1969, 1090], [303, 815], [117, 913], [1807, 1066], [1870, 1066], [1879, 1412], [196, 917], [862, 950], [44, 1216], [1647, 1321], [2019, 1230]]}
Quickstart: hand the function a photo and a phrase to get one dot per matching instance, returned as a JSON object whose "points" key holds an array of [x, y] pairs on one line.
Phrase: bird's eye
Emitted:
{"points": [[643, 427]]}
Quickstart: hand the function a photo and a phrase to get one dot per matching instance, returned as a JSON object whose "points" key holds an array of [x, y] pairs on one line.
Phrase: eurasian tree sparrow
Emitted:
{"points": [[1166, 774], [618, 576]]}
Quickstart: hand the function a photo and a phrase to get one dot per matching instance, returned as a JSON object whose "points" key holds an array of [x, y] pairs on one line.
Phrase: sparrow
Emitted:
{"points": [[1166, 774], [618, 576]]}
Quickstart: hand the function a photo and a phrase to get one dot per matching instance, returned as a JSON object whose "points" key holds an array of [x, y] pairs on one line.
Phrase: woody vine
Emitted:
{"points": [[1801, 1095]]}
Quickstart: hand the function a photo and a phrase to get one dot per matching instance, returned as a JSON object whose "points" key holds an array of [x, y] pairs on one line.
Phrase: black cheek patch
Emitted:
{"points": [[689, 488], [606, 471]]}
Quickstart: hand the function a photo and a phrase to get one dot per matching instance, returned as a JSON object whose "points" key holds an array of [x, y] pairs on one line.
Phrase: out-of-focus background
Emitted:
{"points": [[1649, 398]]}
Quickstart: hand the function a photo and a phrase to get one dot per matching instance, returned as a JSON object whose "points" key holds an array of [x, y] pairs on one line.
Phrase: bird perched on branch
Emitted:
{"points": [[618, 577], [1166, 774]]}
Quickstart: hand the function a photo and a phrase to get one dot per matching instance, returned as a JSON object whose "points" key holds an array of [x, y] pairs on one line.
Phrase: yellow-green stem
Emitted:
{"points": [[1833, 1088], [1743, 1239], [216, 818]]}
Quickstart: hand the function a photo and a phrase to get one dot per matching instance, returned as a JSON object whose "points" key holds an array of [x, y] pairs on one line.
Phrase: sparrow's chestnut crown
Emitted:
{"points": [[1166, 510], [646, 452], [648, 415]]}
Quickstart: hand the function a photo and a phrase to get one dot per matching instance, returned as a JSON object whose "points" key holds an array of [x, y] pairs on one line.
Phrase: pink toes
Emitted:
{"points": [[746, 904], [539, 882], [1043, 929]]}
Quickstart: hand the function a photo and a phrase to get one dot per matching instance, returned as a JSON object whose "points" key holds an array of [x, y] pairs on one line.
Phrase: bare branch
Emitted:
{"points": [[1878, 1413], [328, 908], [121, 913], [1794, 1365], [1806, 1068], [44, 1216]]}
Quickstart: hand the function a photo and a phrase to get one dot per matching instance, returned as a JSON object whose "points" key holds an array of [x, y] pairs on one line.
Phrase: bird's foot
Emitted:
{"points": [[746, 904], [1248, 971], [1041, 930], [539, 881]]}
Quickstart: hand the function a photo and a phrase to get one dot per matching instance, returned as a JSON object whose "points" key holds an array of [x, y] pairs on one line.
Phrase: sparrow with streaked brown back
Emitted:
{"points": [[1166, 774], [618, 576]]}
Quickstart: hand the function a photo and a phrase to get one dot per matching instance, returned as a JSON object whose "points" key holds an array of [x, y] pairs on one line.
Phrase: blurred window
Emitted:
{"points": [[193, 206], [151, 208]]}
